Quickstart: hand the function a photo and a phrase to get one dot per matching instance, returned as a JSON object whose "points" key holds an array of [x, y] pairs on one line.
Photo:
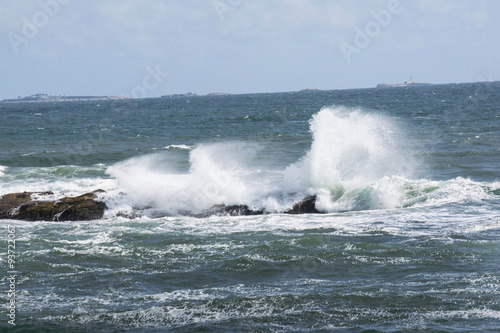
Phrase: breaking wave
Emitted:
{"points": [[357, 161], [216, 175]]}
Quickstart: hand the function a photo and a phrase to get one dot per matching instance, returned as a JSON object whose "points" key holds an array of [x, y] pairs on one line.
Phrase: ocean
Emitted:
{"points": [[408, 178]]}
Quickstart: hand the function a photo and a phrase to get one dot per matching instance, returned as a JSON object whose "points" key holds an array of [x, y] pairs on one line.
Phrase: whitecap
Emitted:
{"points": [[177, 146]]}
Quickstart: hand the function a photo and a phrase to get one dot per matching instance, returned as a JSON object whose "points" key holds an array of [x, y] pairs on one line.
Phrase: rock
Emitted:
{"points": [[306, 206], [20, 206], [232, 210], [9, 202], [239, 210]]}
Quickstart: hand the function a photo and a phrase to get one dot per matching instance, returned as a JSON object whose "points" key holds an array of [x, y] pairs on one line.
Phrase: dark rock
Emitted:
{"points": [[10, 202], [20, 206], [240, 210], [232, 210], [306, 206]]}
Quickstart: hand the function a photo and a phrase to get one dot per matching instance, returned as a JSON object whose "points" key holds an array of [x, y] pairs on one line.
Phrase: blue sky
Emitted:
{"points": [[151, 48]]}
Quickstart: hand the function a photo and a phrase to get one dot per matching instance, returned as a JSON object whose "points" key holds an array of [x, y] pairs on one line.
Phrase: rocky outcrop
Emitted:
{"points": [[232, 210], [21, 206], [10, 202], [306, 206]]}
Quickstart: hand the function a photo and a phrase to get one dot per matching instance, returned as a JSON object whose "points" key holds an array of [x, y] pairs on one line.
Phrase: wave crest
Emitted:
{"points": [[351, 157]]}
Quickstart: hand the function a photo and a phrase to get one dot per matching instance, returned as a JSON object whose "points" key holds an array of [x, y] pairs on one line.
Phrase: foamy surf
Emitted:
{"points": [[63, 180]]}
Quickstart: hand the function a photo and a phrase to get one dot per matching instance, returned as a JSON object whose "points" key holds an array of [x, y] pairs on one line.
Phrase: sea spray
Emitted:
{"points": [[218, 174], [351, 165], [352, 158], [358, 160]]}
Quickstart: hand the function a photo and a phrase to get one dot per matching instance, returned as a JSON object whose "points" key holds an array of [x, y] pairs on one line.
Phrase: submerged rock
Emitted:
{"points": [[20, 206]]}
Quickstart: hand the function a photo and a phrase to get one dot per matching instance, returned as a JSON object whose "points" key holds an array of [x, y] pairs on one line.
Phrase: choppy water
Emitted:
{"points": [[409, 177]]}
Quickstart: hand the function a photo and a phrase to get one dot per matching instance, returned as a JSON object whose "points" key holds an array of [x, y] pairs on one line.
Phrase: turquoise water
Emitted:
{"points": [[409, 179]]}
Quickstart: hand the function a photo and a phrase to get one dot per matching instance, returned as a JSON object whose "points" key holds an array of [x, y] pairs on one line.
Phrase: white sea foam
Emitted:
{"points": [[2, 170], [65, 180]]}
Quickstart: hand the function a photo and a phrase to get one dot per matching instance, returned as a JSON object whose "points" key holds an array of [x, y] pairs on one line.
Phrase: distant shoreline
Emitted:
{"points": [[406, 84], [48, 98]]}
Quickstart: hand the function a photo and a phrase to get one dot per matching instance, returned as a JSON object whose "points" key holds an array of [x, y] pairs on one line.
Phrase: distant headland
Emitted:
{"points": [[189, 94], [405, 84], [48, 98]]}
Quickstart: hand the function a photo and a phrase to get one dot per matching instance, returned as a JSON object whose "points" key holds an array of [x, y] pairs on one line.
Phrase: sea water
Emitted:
{"points": [[408, 178]]}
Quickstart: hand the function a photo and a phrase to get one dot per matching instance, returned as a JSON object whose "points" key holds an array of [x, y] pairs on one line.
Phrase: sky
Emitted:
{"points": [[150, 48]]}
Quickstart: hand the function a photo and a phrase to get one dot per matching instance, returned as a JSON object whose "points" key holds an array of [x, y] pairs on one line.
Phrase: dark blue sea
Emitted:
{"points": [[409, 179]]}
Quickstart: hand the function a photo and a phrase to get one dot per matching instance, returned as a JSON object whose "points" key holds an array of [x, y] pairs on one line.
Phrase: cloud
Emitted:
{"points": [[457, 14], [109, 27], [443, 6], [479, 17], [294, 14], [13, 12], [254, 45]]}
